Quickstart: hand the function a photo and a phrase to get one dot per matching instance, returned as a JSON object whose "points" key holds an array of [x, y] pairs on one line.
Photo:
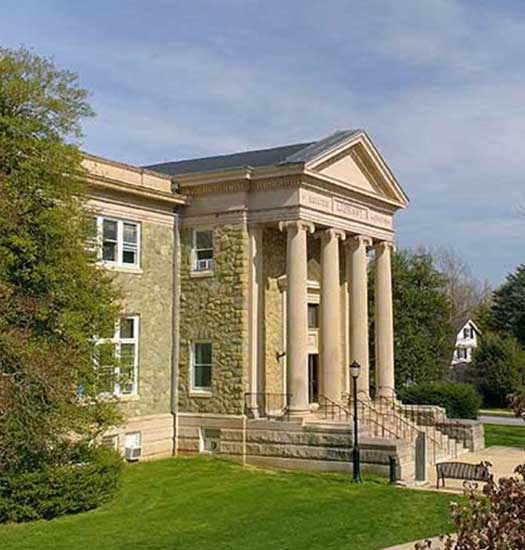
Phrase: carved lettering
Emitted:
{"points": [[318, 201], [381, 219], [351, 210]]}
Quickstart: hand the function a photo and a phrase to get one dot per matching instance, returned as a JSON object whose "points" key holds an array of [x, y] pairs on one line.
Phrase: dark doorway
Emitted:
{"points": [[313, 378]]}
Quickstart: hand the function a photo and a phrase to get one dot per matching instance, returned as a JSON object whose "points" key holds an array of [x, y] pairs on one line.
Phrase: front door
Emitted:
{"points": [[313, 378]]}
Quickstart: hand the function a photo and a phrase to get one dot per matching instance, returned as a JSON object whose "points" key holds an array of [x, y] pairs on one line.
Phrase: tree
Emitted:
{"points": [[507, 314], [499, 367], [423, 332], [53, 299], [468, 294], [492, 520]]}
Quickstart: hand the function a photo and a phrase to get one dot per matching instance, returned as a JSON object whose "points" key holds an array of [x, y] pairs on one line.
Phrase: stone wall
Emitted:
{"points": [[148, 294], [470, 433], [294, 446], [215, 308], [274, 265]]}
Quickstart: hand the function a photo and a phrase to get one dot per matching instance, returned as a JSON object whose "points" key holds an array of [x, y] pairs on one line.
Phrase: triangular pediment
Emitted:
{"points": [[358, 165]]}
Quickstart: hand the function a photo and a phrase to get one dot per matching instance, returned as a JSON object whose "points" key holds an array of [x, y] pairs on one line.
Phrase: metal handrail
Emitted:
{"points": [[327, 404], [436, 435]]}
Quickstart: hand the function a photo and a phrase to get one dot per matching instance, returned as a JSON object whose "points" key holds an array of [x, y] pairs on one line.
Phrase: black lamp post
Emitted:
{"points": [[355, 368]]}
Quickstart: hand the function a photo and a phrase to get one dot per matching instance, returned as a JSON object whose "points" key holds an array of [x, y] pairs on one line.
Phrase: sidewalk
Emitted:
{"points": [[411, 545]]}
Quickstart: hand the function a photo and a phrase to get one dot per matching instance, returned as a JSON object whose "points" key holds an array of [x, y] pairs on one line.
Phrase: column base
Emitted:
{"points": [[386, 393]]}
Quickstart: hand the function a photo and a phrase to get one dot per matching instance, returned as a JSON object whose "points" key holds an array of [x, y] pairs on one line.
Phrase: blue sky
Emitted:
{"points": [[439, 85]]}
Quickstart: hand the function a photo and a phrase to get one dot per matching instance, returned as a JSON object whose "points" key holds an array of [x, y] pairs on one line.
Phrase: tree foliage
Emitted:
{"points": [[492, 520], [499, 365], [507, 314], [53, 300], [423, 332]]}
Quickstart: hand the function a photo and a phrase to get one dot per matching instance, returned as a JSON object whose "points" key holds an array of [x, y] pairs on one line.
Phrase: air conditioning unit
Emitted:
{"points": [[133, 453], [204, 265], [133, 446], [210, 440]]}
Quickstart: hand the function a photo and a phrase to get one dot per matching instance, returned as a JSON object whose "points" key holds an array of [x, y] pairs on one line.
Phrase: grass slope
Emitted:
{"points": [[194, 504], [508, 436]]}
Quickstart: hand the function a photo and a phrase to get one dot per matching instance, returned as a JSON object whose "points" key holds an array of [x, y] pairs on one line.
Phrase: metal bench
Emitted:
{"points": [[461, 470]]}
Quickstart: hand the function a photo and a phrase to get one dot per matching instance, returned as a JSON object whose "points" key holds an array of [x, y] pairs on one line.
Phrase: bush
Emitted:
{"points": [[499, 363], [55, 491], [459, 400]]}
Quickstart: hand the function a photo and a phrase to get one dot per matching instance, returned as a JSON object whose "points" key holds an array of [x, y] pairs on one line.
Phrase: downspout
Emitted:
{"points": [[175, 328]]}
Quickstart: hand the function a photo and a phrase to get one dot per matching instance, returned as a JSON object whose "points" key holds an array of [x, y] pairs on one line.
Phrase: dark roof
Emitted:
{"points": [[287, 154]]}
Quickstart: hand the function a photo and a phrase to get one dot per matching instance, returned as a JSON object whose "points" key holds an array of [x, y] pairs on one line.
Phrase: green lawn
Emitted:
{"points": [[496, 412], [193, 504], [508, 436]]}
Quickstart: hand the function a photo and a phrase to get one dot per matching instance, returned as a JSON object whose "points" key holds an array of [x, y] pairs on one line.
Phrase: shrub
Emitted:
{"points": [[59, 490], [499, 362], [459, 400], [491, 520]]}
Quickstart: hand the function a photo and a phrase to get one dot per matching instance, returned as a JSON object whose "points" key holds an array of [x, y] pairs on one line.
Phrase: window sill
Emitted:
{"points": [[201, 274], [201, 393], [132, 270]]}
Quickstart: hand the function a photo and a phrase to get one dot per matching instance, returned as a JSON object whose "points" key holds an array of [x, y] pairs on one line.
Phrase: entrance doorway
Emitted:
{"points": [[313, 378]]}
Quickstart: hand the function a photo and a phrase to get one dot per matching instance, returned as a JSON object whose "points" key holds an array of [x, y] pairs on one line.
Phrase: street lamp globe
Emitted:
{"points": [[355, 368]]}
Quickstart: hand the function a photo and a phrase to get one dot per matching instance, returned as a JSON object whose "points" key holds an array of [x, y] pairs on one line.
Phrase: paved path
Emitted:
{"points": [[410, 545], [502, 420]]}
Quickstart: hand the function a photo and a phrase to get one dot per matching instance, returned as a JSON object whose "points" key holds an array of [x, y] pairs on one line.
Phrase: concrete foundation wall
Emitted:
{"points": [[294, 446]]}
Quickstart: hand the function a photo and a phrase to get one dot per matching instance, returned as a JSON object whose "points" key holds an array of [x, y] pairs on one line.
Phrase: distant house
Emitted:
{"points": [[466, 341]]}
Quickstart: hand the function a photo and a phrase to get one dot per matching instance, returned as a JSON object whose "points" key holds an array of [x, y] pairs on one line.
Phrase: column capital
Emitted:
{"points": [[355, 241], [385, 245], [297, 225], [330, 233]]}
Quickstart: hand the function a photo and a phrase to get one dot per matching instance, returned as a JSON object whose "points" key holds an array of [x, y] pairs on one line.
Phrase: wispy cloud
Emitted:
{"points": [[438, 84]]}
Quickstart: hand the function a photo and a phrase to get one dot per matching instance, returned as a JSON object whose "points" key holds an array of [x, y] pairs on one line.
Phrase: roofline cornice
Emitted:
{"points": [[130, 189]]}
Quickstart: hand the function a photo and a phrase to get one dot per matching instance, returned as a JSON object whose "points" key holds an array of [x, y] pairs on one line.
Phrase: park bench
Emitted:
{"points": [[461, 470]]}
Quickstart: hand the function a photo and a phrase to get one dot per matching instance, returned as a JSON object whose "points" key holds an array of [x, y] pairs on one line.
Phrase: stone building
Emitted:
{"points": [[245, 279]]}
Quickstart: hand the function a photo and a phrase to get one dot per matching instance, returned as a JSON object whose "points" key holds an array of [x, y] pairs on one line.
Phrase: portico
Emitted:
{"points": [[333, 364], [313, 215]]}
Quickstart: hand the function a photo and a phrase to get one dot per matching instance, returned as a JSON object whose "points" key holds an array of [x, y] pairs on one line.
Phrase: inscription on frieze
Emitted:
{"points": [[318, 201], [344, 208], [350, 210], [380, 219]]}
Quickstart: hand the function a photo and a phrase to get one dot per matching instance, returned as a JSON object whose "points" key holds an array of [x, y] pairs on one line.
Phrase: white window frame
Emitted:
{"points": [[194, 260], [117, 342], [119, 262], [194, 388]]}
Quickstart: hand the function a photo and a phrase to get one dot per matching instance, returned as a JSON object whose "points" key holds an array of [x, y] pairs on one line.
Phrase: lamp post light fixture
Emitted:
{"points": [[355, 369]]}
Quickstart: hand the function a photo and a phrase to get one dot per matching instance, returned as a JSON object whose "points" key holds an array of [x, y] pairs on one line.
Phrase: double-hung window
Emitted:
{"points": [[118, 242], [117, 358], [201, 366], [202, 250]]}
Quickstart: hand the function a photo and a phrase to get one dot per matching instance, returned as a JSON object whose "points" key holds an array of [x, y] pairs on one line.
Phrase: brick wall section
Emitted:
{"points": [[215, 309]]}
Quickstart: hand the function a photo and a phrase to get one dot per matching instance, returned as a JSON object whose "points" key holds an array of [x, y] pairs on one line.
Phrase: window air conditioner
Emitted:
{"points": [[133, 453], [204, 265]]}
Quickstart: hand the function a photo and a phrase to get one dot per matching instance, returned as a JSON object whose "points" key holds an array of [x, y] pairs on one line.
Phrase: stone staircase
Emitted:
{"points": [[417, 437], [387, 419]]}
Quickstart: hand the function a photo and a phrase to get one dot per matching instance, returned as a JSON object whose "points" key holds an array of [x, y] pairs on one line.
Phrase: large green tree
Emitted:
{"points": [[507, 314], [423, 331], [53, 300]]}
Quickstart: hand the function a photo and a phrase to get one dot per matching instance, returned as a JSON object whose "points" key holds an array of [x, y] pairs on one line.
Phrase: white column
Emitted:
{"points": [[256, 324], [384, 321], [332, 365], [356, 265], [296, 315]]}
